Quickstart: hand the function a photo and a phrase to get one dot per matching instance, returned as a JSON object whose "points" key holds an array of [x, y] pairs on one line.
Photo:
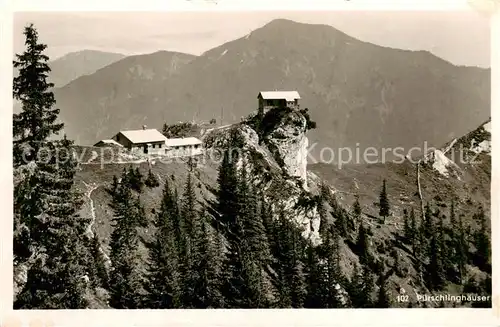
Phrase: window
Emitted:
{"points": [[159, 145]]}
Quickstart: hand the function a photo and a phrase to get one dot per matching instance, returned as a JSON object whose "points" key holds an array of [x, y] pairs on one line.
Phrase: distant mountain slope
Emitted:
{"points": [[356, 91], [118, 96], [76, 64]]}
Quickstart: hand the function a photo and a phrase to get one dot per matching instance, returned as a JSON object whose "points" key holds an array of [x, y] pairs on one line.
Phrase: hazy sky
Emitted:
{"points": [[462, 38]]}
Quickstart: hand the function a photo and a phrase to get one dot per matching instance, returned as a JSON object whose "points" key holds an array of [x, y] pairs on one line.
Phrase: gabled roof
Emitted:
{"points": [[144, 136], [279, 95], [183, 141], [109, 142]]}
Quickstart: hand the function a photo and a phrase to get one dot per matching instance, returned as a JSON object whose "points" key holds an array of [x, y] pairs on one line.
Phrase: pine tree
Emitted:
{"points": [[34, 125], [482, 241], [98, 271], [384, 203], [207, 259], [461, 249], [45, 205], [383, 300], [414, 230], [323, 214], [32, 128], [428, 222], [255, 242], [362, 245], [189, 216], [367, 288], [355, 288], [124, 276], [57, 277], [229, 208], [341, 223], [435, 269], [356, 209], [333, 274], [315, 291], [228, 190], [151, 181], [163, 278], [407, 232]]}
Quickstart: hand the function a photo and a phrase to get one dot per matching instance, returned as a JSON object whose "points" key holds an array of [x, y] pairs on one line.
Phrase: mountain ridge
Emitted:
{"points": [[357, 91]]}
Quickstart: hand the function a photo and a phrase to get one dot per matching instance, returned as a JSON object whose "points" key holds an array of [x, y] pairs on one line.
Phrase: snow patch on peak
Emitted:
{"points": [[484, 146], [223, 52], [441, 163], [487, 127]]}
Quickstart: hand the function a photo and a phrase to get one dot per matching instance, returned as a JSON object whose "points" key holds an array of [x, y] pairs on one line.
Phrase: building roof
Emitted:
{"points": [[183, 141], [109, 142], [279, 95], [144, 136]]}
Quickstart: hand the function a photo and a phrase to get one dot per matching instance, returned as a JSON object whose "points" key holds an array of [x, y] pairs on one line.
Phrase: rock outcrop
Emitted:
{"points": [[277, 161]]}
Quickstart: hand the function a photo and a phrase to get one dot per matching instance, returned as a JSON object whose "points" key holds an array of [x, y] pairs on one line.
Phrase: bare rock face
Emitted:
{"points": [[277, 165], [288, 144]]}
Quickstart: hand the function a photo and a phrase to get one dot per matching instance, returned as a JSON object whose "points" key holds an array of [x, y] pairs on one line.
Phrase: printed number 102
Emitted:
{"points": [[403, 298]]}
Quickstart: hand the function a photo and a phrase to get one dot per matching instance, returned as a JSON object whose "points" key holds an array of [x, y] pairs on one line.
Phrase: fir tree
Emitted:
{"points": [[407, 232], [362, 245], [208, 262], [414, 230], [151, 181], [356, 209], [163, 278], [323, 214], [333, 274], [383, 300], [428, 226], [124, 276], [314, 281], [384, 202], [98, 271], [57, 277], [189, 216], [367, 288], [482, 241], [228, 190], [255, 242], [435, 269], [34, 125], [461, 249]]}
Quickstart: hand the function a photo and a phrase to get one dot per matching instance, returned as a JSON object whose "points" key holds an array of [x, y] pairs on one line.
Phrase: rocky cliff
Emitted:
{"points": [[276, 148]]}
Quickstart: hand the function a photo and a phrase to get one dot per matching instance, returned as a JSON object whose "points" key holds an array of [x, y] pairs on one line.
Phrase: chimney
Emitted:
{"points": [[144, 127]]}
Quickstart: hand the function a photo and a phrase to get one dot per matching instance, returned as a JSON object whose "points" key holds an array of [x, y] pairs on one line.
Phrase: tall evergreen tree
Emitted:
{"points": [[362, 245], [189, 219], [316, 293], [151, 181], [428, 226], [125, 281], [482, 241], [384, 202], [462, 249], [208, 260], [356, 210], [255, 242], [34, 125], [407, 232], [435, 269], [413, 230], [57, 277], [383, 300], [98, 271], [163, 278], [333, 273]]}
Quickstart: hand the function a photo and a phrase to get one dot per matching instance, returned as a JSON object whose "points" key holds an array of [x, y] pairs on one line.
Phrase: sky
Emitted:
{"points": [[461, 37]]}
